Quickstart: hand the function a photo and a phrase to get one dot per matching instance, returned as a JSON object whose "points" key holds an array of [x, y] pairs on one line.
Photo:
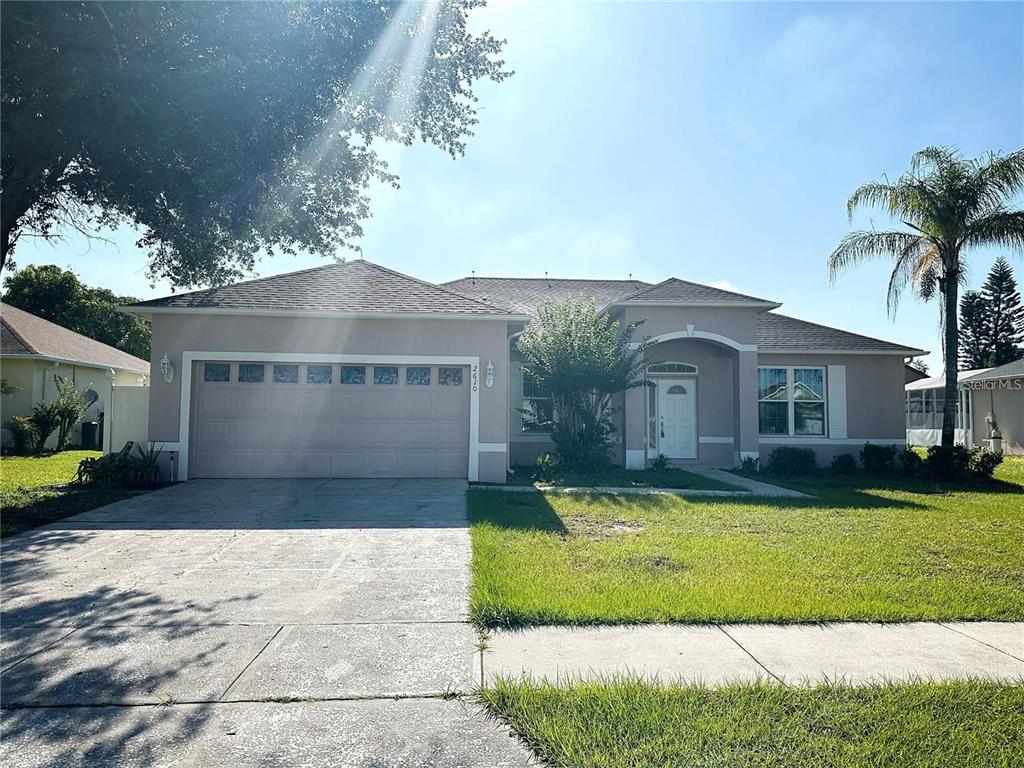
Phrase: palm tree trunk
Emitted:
{"points": [[952, 340]]}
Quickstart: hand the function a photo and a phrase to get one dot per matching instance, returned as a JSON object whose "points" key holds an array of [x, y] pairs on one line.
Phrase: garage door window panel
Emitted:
{"points": [[251, 373], [449, 377], [386, 375], [319, 374], [216, 373], [286, 374], [353, 374], [417, 376]]}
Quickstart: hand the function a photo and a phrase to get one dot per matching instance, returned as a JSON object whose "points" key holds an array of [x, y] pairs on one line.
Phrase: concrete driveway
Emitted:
{"points": [[242, 623]]}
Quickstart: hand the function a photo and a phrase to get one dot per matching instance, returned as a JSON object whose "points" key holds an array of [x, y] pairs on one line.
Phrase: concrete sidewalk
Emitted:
{"points": [[796, 654]]}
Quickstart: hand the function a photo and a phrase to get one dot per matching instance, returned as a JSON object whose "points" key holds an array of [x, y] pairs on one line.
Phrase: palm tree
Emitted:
{"points": [[949, 205]]}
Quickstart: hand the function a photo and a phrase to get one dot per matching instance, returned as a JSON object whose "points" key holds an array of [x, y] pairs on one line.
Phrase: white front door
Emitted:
{"points": [[677, 418]]}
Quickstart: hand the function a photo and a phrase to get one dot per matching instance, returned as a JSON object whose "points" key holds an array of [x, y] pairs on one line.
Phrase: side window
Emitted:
{"points": [[537, 408]]}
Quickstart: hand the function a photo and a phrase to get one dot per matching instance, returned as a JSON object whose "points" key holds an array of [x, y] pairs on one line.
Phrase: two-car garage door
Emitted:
{"points": [[261, 419]]}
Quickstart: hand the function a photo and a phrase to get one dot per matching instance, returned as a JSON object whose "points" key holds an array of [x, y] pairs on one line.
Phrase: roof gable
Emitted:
{"points": [[26, 334], [352, 286], [676, 291]]}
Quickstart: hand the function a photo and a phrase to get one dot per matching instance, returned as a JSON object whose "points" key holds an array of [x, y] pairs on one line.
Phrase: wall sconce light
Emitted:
{"points": [[166, 368], [489, 375]]}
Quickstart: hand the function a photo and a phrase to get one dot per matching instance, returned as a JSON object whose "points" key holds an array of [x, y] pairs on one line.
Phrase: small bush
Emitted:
{"points": [[986, 461], [877, 458], [750, 465], [70, 404], [844, 464], [790, 460], [544, 468], [46, 418], [23, 433], [949, 464], [105, 470], [660, 462], [910, 461]]}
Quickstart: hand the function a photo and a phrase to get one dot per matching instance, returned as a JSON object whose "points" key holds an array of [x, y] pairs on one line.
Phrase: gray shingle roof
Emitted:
{"points": [[779, 333], [527, 294], [1014, 370], [26, 334], [682, 291], [350, 286]]}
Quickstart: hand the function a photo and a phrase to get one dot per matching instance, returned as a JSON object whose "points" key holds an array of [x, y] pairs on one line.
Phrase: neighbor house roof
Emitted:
{"points": [[347, 287], [936, 382], [780, 333], [1014, 370], [528, 294], [27, 335]]}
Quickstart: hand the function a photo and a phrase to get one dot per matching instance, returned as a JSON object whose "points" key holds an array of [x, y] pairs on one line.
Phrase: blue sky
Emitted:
{"points": [[713, 142]]}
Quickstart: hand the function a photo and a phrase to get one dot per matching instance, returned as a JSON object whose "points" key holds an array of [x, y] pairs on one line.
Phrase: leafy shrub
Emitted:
{"points": [[69, 404], [104, 470], [660, 462], [23, 433], [910, 461], [877, 458], [844, 464], [986, 461], [790, 460], [544, 468], [750, 465], [46, 419], [143, 468]]}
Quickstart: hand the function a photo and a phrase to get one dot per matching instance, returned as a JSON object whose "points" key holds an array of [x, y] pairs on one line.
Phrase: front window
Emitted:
{"points": [[791, 401], [537, 408]]}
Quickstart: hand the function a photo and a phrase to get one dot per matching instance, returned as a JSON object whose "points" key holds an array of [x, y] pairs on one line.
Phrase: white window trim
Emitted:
{"points": [[790, 400], [544, 434], [190, 357], [694, 372]]}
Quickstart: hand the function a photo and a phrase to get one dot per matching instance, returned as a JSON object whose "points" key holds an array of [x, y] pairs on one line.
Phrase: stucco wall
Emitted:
{"points": [[875, 402], [736, 323], [487, 339]]}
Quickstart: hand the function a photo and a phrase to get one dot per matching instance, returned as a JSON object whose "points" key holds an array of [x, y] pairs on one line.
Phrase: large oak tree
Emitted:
{"points": [[224, 129]]}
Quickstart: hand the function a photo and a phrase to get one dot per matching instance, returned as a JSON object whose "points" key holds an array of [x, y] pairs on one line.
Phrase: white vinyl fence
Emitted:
{"points": [[127, 418]]}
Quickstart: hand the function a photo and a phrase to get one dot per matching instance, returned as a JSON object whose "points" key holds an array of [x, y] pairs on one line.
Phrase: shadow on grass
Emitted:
{"points": [[827, 482], [27, 508]]}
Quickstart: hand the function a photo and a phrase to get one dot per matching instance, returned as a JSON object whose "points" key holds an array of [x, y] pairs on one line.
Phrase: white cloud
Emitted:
{"points": [[725, 285]]}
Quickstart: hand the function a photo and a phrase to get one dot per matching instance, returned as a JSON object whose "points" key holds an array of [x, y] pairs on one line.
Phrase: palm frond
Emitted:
{"points": [[938, 157], [1001, 177], [861, 246], [908, 265], [902, 199], [1003, 228]]}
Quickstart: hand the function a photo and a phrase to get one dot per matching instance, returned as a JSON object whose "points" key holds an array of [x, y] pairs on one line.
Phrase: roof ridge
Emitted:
{"points": [[257, 279], [434, 285], [645, 290], [24, 342], [551, 279]]}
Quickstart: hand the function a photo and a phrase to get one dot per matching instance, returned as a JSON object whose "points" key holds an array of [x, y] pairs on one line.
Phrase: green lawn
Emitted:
{"points": [[617, 477], [865, 549], [630, 724], [34, 490]]}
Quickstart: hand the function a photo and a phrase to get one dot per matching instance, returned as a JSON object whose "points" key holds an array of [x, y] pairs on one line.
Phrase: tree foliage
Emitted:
{"points": [[582, 358], [70, 404], [948, 205], [224, 129], [992, 320], [58, 295]]}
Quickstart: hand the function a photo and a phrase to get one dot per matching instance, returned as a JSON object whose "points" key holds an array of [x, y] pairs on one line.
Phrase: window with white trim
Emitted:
{"points": [[791, 401], [537, 408]]}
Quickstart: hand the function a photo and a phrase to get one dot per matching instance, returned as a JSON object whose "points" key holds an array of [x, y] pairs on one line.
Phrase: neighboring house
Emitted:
{"points": [[912, 374], [354, 370], [987, 398], [34, 350]]}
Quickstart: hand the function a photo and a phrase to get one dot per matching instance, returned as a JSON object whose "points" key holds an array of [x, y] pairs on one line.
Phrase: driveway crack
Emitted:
{"points": [[251, 661]]}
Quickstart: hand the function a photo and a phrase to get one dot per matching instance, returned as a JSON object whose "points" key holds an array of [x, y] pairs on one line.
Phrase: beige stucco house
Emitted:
{"points": [[34, 350], [355, 370]]}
